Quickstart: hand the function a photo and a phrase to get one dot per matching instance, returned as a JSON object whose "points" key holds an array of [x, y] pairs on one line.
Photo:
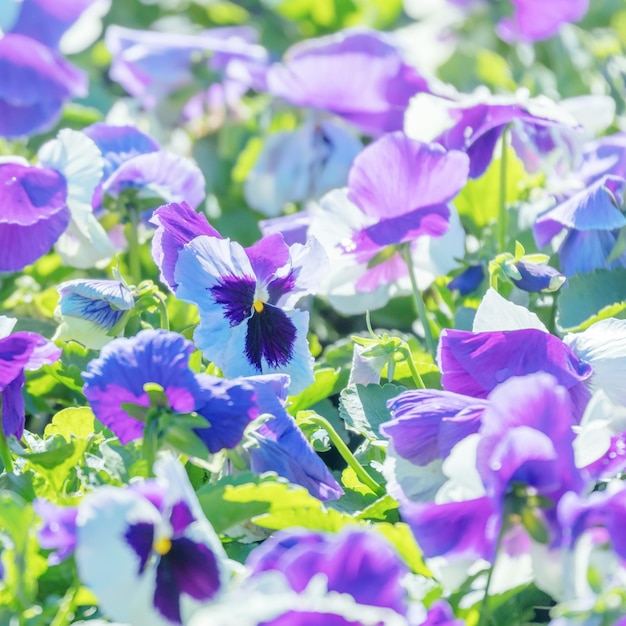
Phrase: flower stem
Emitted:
{"points": [[484, 605], [405, 351], [502, 213], [65, 614], [163, 314], [420, 306], [132, 237], [347, 455], [5, 452], [151, 440]]}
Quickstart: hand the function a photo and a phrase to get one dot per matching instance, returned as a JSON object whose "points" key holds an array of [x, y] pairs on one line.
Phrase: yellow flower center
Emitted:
{"points": [[162, 546], [258, 305]]}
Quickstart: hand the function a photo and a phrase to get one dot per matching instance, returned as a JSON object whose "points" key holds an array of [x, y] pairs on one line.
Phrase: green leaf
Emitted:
{"points": [[364, 408], [479, 201], [323, 387], [315, 434], [587, 298], [185, 441], [68, 369], [268, 502], [385, 509], [72, 422], [401, 537]]}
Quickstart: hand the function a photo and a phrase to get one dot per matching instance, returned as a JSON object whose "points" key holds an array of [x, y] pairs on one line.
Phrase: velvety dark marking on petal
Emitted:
{"points": [[140, 537], [236, 295], [181, 517], [194, 568], [280, 286], [166, 590], [271, 335]]}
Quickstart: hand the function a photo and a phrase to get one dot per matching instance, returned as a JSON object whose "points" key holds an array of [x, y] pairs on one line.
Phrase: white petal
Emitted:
{"points": [[497, 313]]}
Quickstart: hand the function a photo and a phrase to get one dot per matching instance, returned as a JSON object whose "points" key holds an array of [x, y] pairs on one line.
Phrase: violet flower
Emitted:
{"points": [[356, 74], [36, 79], [147, 552], [246, 299], [592, 219], [58, 531], [362, 226], [475, 123], [151, 65], [19, 351], [125, 366]]}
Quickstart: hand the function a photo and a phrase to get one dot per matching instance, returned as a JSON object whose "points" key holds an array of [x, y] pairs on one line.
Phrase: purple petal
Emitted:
{"points": [[427, 424], [169, 176], [34, 213], [356, 74], [194, 567], [13, 411], [58, 532], [474, 363], [177, 224], [228, 406], [270, 337], [47, 20], [36, 82], [469, 528], [595, 208], [534, 21], [140, 537]]}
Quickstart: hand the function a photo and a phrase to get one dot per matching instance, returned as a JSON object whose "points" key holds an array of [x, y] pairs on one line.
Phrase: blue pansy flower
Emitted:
{"points": [[125, 366], [90, 309], [246, 298]]}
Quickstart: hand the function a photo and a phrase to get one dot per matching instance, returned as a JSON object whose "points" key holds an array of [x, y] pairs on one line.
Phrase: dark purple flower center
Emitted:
{"points": [[271, 336]]}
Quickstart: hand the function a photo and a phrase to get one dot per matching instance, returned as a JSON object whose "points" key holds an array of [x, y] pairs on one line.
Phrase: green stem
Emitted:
{"points": [[408, 357], [420, 306], [502, 213], [151, 440], [483, 617], [163, 314], [347, 455], [132, 237], [5, 452], [65, 614]]}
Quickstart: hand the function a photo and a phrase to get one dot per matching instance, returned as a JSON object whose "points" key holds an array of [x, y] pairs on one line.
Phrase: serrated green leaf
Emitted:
{"points": [[587, 298], [364, 407], [323, 387], [72, 422]]}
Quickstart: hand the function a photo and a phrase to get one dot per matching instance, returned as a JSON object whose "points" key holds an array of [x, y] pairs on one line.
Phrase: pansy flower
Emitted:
{"points": [[90, 309], [147, 552], [18, 352], [246, 299], [475, 123], [300, 578], [124, 368], [399, 190], [300, 165], [359, 75], [36, 79]]}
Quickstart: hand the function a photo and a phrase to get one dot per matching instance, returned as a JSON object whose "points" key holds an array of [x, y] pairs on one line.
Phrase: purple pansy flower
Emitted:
{"points": [[151, 66], [357, 74], [475, 123], [36, 82], [475, 363], [18, 352], [124, 367], [299, 578], [246, 298], [361, 226], [525, 440], [151, 539], [593, 219]]}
